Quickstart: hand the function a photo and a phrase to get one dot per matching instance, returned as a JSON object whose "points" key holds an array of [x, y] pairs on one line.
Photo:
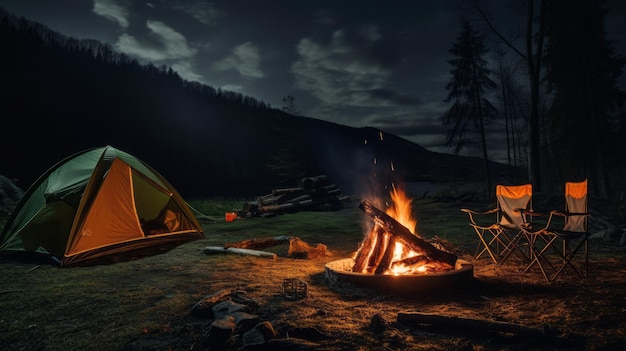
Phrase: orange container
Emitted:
{"points": [[231, 216]]}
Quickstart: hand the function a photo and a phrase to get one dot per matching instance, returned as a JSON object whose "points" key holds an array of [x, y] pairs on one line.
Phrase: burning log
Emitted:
{"points": [[404, 235], [362, 259], [387, 258]]}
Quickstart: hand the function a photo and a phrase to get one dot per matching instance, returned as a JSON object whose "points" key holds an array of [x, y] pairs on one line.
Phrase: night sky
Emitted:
{"points": [[382, 64]]}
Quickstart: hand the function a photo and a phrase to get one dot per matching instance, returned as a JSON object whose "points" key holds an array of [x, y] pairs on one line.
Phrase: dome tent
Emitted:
{"points": [[98, 205]]}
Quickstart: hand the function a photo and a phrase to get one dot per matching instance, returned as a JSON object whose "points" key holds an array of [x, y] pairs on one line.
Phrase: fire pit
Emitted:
{"points": [[408, 284], [395, 259]]}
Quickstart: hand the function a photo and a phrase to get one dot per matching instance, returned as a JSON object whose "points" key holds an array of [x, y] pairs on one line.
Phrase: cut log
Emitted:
{"points": [[387, 258], [312, 183], [404, 235], [362, 257], [377, 252], [285, 191], [459, 323], [221, 249], [260, 243]]}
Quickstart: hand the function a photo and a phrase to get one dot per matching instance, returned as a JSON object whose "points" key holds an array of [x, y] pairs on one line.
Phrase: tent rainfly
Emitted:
{"points": [[98, 205]]}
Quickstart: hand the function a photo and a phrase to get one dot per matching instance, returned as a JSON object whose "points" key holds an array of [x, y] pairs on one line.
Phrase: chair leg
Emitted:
{"points": [[486, 245], [537, 254], [569, 259], [513, 247]]}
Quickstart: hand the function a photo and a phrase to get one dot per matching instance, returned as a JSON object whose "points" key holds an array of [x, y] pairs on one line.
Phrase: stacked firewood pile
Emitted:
{"points": [[316, 193]]}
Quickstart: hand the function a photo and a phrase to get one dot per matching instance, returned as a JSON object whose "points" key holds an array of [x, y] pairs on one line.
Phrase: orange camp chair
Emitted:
{"points": [[557, 249], [499, 238]]}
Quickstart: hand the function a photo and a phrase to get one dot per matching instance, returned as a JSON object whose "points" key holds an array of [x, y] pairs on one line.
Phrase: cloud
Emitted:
{"points": [[110, 10], [173, 45], [244, 59], [346, 72], [232, 87], [203, 12], [164, 46], [185, 70]]}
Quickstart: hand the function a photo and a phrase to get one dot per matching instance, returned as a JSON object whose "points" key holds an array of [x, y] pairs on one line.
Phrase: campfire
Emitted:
{"points": [[393, 257], [391, 247]]}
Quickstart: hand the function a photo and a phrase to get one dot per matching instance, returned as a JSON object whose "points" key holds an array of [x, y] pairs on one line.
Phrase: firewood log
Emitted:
{"points": [[260, 243], [362, 257], [285, 191], [311, 183], [404, 235], [377, 251], [459, 323], [385, 261], [221, 249]]}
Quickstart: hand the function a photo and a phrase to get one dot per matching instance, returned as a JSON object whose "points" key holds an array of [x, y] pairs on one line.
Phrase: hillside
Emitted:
{"points": [[62, 95]]}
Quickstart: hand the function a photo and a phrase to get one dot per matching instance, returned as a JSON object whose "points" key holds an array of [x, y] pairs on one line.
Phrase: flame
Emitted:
{"points": [[404, 260], [401, 210]]}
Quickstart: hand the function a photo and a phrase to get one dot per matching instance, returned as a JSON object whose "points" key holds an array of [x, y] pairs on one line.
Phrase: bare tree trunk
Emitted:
{"points": [[533, 60], [534, 72]]}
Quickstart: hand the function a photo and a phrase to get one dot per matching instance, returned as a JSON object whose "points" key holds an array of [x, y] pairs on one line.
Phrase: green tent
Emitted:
{"points": [[98, 205]]}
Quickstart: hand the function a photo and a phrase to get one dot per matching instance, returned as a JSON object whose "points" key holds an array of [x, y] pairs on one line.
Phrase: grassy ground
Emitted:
{"points": [[145, 304]]}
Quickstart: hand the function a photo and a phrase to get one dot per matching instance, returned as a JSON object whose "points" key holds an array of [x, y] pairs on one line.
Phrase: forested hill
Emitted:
{"points": [[61, 95]]}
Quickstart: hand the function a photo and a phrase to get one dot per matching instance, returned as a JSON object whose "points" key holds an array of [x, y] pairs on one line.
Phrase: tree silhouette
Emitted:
{"points": [[534, 38], [470, 82]]}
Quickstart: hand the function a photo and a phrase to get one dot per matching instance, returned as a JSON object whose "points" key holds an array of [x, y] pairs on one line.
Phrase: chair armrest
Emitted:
{"points": [[468, 211], [471, 214], [532, 213], [568, 214], [531, 227]]}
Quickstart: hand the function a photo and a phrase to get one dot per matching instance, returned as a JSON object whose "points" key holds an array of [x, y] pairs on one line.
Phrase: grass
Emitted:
{"points": [[103, 307], [145, 304]]}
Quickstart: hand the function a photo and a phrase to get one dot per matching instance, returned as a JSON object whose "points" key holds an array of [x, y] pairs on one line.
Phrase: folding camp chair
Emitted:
{"points": [[500, 238], [557, 249]]}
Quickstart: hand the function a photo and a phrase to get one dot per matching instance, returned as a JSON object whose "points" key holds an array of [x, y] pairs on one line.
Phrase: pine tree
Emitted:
{"points": [[470, 113]]}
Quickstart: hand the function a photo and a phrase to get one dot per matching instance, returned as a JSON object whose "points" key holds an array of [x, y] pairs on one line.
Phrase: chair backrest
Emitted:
{"points": [[576, 202], [510, 198]]}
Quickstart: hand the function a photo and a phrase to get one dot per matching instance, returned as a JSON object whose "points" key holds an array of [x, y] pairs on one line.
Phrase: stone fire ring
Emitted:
{"points": [[411, 284]]}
